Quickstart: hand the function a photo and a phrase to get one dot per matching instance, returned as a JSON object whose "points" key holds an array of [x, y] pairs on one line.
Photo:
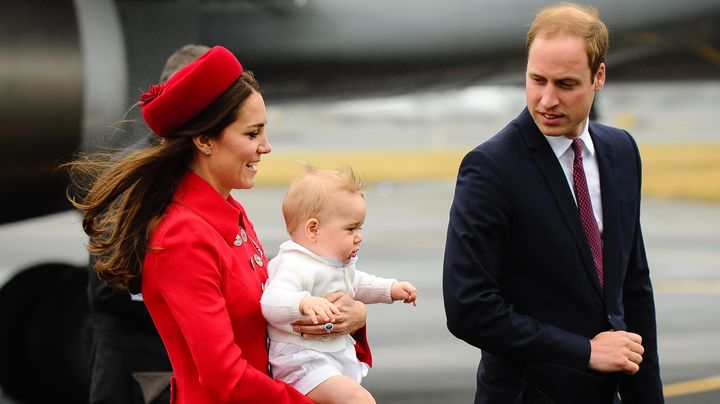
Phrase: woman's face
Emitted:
{"points": [[235, 155]]}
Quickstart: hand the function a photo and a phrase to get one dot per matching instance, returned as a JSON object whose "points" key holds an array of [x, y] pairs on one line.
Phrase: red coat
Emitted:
{"points": [[203, 294]]}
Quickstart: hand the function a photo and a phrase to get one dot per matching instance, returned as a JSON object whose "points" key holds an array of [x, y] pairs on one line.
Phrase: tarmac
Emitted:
{"points": [[416, 359]]}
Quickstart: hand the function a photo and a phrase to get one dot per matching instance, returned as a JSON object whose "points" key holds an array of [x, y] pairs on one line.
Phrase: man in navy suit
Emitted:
{"points": [[545, 268]]}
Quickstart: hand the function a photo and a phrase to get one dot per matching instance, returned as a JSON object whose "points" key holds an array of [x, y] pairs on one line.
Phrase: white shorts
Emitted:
{"points": [[304, 368]]}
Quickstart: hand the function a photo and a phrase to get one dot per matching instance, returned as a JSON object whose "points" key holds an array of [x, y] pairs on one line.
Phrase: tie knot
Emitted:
{"points": [[577, 146]]}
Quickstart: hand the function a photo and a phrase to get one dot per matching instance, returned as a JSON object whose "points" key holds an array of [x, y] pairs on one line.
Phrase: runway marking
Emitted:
{"points": [[690, 171], [687, 287], [692, 386], [708, 51]]}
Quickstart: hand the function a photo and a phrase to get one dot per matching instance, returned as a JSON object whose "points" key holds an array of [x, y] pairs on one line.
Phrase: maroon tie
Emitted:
{"points": [[586, 211]]}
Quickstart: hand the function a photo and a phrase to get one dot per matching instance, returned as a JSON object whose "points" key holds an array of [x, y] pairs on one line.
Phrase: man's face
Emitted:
{"points": [[558, 87]]}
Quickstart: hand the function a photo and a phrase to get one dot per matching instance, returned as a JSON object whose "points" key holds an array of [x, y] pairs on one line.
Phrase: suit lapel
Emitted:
{"points": [[549, 166], [610, 205]]}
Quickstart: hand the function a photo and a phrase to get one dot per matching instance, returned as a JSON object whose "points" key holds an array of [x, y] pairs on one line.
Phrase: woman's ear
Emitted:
{"points": [[311, 229], [202, 143]]}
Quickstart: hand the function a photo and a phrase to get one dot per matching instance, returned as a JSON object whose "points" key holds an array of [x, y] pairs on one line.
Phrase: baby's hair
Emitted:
{"points": [[310, 192]]}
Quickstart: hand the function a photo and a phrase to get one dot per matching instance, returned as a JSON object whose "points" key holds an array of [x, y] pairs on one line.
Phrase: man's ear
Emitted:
{"points": [[311, 229], [599, 81]]}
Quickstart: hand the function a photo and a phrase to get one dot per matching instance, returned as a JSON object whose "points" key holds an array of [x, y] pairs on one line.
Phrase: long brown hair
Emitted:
{"points": [[123, 197]]}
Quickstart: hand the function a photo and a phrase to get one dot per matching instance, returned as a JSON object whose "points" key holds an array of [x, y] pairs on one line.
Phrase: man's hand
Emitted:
{"points": [[351, 318], [616, 351]]}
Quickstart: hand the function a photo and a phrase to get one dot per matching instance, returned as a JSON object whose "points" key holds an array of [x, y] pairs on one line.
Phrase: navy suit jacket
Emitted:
{"points": [[519, 281]]}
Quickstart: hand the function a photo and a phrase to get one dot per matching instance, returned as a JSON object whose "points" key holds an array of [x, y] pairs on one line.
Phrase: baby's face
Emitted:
{"points": [[338, 234]]}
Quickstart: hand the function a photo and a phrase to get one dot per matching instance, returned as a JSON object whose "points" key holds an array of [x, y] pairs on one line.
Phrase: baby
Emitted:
{"points": [[324, 211]]}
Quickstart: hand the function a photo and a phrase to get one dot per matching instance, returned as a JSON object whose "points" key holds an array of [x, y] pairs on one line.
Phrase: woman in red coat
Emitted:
{"points": [[162, 221]]}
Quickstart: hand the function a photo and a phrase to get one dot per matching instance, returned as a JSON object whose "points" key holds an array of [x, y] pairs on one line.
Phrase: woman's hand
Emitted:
{"points": [[351, 318]]}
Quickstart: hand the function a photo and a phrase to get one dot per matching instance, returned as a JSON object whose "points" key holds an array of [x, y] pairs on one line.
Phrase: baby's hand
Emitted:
{"points": [[318, 308], [404, 291]]}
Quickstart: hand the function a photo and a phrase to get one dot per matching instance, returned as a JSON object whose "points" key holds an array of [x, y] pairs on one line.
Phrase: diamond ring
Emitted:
{"points": [[328, 327]]}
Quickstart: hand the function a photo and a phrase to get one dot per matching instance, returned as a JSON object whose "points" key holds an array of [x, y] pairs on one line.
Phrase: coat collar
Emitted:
{"points": [[198, 195]]}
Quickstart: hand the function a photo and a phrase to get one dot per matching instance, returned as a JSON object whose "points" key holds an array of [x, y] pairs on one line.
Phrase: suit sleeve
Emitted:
{"points": [[645, 386], [476, 252], [189, 278]]}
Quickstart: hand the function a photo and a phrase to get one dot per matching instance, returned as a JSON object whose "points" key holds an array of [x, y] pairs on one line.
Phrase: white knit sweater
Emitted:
{"points": [[295, 273]]}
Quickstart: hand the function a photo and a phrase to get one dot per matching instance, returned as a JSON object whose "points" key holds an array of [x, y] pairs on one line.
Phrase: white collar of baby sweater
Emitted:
{"points": [[293, 246]]}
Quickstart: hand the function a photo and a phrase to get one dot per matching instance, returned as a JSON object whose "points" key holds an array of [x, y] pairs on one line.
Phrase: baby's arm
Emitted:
{"points": [[374, 289], [404, 291], [371, 289], [318, 308], [286, 298], [281, 300]]}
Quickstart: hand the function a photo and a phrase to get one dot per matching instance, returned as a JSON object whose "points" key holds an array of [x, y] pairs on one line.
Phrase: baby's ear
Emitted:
{"points": [[311, 228]]}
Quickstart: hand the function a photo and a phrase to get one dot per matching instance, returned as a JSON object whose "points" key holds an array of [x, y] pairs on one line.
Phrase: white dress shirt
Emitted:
{"points": [[565, 155]]}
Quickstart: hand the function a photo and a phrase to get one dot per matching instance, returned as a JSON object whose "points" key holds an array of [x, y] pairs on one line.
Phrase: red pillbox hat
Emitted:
{"points": [[168, 106]]}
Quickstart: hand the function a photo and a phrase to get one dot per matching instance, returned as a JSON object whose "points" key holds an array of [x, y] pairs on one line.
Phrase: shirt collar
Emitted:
{"points": [[560, 144], [293, 246]]}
